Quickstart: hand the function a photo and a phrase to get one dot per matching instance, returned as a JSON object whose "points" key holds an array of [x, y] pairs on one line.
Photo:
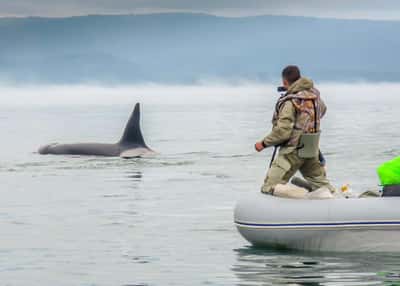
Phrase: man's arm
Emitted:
{"points": [[282, 131]]}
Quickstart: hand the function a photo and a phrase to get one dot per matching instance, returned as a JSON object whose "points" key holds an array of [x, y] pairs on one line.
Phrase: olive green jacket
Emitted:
{"points": [[292, 118]]}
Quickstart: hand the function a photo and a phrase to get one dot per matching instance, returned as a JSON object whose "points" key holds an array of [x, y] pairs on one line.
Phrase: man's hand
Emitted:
{"points": [[259, 146]]}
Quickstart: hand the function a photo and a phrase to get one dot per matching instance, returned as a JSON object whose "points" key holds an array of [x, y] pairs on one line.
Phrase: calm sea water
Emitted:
{"points": [[168, 220]]}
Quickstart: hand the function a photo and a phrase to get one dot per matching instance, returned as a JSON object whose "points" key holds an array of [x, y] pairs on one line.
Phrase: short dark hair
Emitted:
{"points": [[291, 73]]}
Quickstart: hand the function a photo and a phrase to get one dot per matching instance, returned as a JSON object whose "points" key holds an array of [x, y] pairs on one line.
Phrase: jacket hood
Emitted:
{"points": [[300, 85]]}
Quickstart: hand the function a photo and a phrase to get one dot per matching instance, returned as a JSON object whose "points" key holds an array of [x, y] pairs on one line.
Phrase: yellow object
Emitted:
{"points": [[345, 188], [347, 192]]}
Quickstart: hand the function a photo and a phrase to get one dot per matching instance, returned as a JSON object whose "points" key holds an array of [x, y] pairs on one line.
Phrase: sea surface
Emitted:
{"points": [[168, 220]]}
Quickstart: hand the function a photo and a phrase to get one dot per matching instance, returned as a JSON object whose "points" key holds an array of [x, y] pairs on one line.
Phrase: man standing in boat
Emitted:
{"points": [[296, 130]]}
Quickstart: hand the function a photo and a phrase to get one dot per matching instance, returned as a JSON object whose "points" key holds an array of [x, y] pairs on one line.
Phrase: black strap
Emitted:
{"points": [[279, 103], [315, 116]]}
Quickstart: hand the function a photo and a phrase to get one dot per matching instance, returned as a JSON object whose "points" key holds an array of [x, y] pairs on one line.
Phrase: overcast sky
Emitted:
{"points": [[349, 9]]}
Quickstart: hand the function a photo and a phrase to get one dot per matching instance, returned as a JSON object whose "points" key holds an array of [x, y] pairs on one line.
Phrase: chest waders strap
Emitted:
{"points": [[309, 142]]}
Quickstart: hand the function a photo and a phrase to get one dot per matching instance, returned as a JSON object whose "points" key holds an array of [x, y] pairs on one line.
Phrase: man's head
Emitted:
{"points": [[290, 74]]}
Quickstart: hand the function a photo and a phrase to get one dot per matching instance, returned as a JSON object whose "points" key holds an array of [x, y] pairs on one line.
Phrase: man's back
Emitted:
{"points": [[297, 115]]}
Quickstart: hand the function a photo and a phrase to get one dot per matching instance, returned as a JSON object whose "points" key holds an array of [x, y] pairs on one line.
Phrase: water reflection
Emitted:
{"points": [[272, 267], [135, 176]]}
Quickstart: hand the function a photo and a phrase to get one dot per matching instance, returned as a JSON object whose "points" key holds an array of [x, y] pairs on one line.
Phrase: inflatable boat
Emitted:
{"points": [[357, 224]]}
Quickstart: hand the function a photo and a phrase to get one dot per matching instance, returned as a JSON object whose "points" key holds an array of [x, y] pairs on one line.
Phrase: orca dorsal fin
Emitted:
{"points": [[132, 133]]}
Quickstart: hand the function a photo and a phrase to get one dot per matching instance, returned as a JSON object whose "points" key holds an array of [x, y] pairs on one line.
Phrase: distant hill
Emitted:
{"points": [[185, 48]]}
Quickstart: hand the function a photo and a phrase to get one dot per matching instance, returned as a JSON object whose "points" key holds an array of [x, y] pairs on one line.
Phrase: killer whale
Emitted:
{"points": [[130, 145]]}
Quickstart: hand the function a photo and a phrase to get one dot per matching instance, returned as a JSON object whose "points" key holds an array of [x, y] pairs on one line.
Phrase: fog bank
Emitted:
{"points": [[176, 94]]}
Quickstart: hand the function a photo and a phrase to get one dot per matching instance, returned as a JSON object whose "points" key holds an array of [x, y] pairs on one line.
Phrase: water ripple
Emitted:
{"points": [[269, 267]]}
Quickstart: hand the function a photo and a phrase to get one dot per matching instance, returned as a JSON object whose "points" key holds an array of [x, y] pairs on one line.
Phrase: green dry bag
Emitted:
{"points": [[309, 145], [389, 172]]}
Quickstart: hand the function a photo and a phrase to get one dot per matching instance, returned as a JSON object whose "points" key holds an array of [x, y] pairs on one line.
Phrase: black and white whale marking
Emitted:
{"points": [[131, 144]]}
